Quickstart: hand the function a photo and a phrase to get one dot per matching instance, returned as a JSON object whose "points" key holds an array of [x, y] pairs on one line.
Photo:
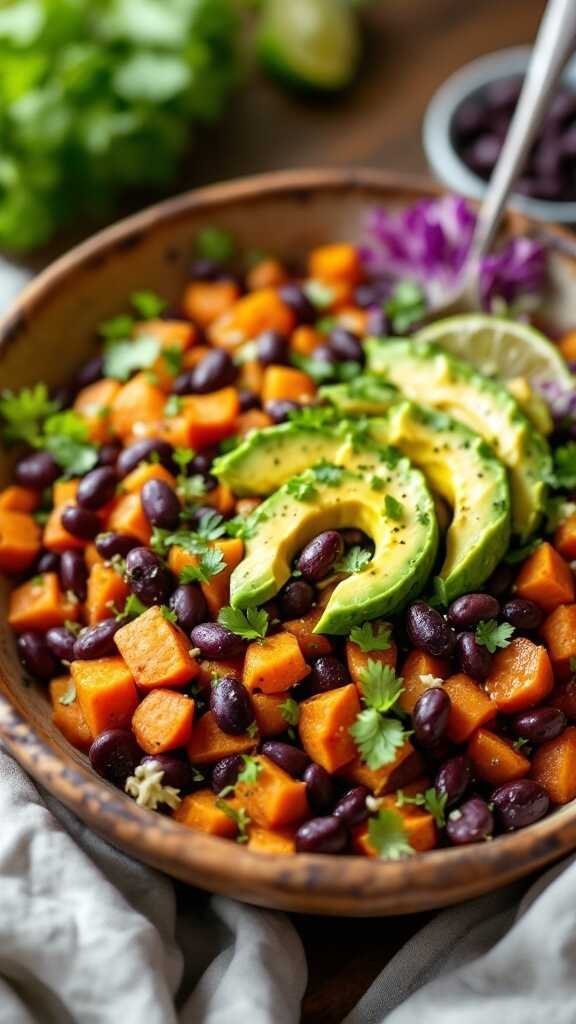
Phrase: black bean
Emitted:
{"points": [[319, 555], [291, 759], [427, 630], [189, 604], [48, 561], [36, 656], [355, 538], [272, 349], [207, 270], [115, 755], [74, 573], [202, 463], [38, 470], [321, 835], [231, 705], [430, 716], [500, 581], [141, 451], [351, 808], [523, 613], [372, 293], [474, 659], [453, 778], [110, 545], [279, 409], [225, 772], [296, 299], [160, 504], [183, 384], [467, 611], [109, 453], [61, 642], [320, 788], [177, 772], [89, 373], [97, 488], [80, 522], [215, 641], [520, 803], [148, 577], [248, 400], [345, 345], [216, 370], [296, 599], [63, 396], [378, 323], [97, 641], [540, 724], [324, 354], [472, 822], [328, 672]]}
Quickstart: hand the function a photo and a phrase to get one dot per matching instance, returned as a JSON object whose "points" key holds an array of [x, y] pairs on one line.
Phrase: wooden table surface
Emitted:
{"points": [[412, 46]]}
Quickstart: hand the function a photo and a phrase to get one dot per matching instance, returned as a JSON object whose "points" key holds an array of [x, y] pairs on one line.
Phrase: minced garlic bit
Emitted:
{"points": [[147, 789], [429, 680], [373, 804]]}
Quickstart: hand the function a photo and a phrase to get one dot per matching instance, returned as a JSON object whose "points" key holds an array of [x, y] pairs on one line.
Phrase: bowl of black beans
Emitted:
{"points": [[466, 123]]}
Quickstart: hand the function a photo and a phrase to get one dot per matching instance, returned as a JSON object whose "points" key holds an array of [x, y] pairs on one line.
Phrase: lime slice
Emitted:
{"points": [[311, 44], [499, 348]]}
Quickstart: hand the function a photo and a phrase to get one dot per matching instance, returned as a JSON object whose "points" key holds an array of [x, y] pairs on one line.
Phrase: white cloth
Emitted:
{"points": [[88, 936]]}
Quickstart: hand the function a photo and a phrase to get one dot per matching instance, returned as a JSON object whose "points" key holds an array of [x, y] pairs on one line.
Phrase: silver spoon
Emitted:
{"points": [[553, 45]]}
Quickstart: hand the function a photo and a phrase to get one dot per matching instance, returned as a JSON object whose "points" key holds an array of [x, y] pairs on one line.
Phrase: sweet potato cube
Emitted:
{"points": [[210, 418], [56, 538], [521, 676], [336, 262], [274, 664], [546, 579], [565, 538], [139, 402], [163, 721], [559, 632], [209, 743], [216, 589], [40, 604], [156, 652], [275, 799], [269, 718], [419, 663], [554, 766], [470, 707], [495, 760], [127, 516], [205, 301], [106, 591], [270, 840], [420, 829], [312, 644], [405, 767], [145, 471], [18, 499], [199, 811], [106, 693], [19, 541], [69, 717], [254, 313], [94, 404], [285, 383], [324, 726]]}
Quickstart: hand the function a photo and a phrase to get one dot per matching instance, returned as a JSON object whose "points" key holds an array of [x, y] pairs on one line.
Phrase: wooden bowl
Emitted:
{"points": [[48, 333]]}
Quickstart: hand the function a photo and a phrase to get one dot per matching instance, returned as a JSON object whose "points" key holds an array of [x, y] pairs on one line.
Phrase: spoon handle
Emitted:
{"points": [[554, 44]]}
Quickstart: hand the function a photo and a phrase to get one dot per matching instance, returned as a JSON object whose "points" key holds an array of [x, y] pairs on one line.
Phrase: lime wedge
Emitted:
{"points": [[311, 44], [499, 348]]}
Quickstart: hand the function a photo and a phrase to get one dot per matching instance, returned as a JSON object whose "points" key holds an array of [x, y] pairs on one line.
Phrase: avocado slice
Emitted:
{"points": [[426, 373], [376, 490], [462, 469], [364, 396]]}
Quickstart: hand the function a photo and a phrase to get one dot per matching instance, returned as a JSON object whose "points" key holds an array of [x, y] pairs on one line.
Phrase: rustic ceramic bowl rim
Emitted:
{"points": [[101, 805]]}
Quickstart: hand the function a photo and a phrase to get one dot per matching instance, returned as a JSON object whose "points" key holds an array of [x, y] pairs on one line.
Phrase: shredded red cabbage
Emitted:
{"points": [[429, 241]]}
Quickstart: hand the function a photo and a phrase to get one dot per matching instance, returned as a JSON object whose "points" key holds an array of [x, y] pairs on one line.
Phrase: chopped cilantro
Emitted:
{"points": [[290, 711], [565, 466], [432, 801], [210, 563], [354, 560], [70, 695], [23, 413], [251, 770], [376, 736], [31, 417], [182, 456], [406, 306], [123, 358], [313, 417], [117, 328], [241, 528], [147, 304], [168, 614], [211, 526], [321, 295], [301, 487], [239, 817], [214, 243], [250, 625], [252, 730], [191, 487], [393, 509], [381, 687], [387, 835], [132, 608], [173, 405], [327, 473], [493, 635], [377, 483], [369, 637], [173, 359]]}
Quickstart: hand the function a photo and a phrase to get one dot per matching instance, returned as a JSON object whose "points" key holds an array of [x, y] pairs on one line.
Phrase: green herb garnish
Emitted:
{"points": [[250, 625], [493, 635], [371, 638]]}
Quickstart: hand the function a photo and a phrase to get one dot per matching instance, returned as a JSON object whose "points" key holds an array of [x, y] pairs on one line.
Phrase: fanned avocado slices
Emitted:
{"points": [[427, 374], [373, 489]]}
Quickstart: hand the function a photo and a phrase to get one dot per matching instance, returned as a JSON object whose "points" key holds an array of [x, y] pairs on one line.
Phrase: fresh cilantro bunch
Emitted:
{"points": [[30, 417], [375, 732], [96, 98]]}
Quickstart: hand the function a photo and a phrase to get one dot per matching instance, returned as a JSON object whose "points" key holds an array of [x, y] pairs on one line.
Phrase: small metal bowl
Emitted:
{"points": [[438, 133]]}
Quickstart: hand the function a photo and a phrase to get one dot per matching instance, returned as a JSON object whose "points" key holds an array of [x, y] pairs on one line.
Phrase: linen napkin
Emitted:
{"points": [[89, 936]]}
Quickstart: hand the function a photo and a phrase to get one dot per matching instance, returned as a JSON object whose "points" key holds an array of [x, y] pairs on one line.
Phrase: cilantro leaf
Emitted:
{"points": [[565, 466], [172, 405], [301, 487], [210, 563], [211, 526], [320, 294], [250, 625], [239, 817], [393, 509], [290, 711], [148, 304], [182, 456], [435, 804], [214, 243], [69, 696], [173, 358], [132, 608], [377, 738], [123, 358], [191, 487], [406, 306], [354, 560], [23, 412], [168, 614], [251, 770], [117, 328], [387, 835], [493, 635], [241, 528], [369, 637], [327, 473], [381, 687]]}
